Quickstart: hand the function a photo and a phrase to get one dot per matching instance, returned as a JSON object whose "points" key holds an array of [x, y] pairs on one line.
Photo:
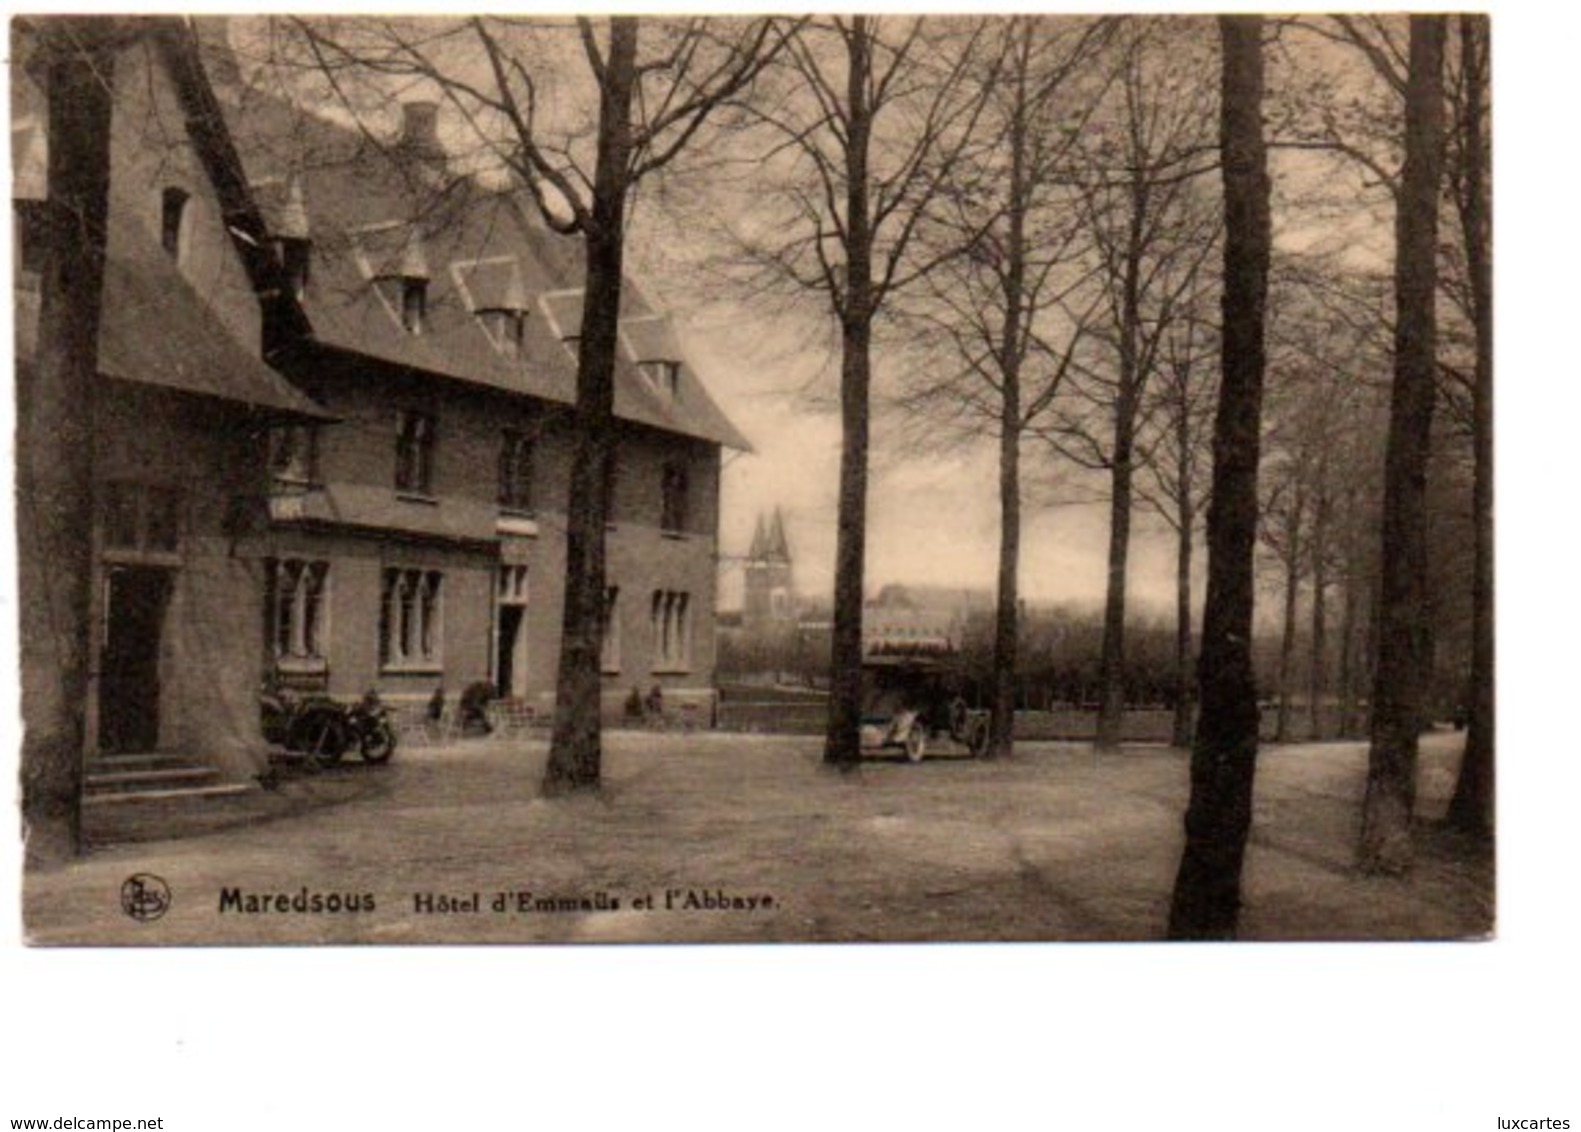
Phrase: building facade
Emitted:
{"points": [[416, 544], [382, 505], [181, 412]]}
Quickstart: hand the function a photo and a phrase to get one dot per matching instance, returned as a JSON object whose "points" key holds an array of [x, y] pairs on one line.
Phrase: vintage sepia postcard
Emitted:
{"points": [[511, 479]]}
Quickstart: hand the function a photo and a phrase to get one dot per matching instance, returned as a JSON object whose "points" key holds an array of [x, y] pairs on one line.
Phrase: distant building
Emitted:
{"points": [[918, 619], [770, 601]]}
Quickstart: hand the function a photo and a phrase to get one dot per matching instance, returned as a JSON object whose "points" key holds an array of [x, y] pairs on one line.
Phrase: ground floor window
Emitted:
{"points": [[672, 630], [295, 605], [410, 628]]}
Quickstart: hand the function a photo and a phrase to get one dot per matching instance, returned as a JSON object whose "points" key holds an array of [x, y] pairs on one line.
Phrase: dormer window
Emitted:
{"points": [[391, 255], [414, 304], [296, 258], [173, 209], [507, 329], [665, 376], [407, 298]]}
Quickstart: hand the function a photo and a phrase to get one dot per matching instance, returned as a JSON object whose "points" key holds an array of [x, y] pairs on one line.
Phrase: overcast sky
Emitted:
{"points": [[933, 512]]}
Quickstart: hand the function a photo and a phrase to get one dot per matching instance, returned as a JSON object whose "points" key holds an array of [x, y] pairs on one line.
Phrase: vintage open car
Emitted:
{"points": [[914, 704]]}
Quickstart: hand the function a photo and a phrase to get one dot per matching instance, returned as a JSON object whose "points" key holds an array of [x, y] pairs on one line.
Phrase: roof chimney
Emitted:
{"points": [[420, 128]]}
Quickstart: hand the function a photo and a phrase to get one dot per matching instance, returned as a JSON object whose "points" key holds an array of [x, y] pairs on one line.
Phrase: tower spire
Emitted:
{"points": [[777, 546]]}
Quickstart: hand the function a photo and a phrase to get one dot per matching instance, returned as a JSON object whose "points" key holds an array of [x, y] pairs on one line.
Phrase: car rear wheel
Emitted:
{"points": [[917, 742]]}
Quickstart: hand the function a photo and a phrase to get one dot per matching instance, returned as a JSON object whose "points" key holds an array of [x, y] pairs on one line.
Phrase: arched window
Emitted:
{"points": [[296, 609], [410, 627]]}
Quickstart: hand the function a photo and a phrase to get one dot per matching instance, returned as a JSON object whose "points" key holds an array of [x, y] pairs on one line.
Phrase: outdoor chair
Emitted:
{"points": [[511, 716]]}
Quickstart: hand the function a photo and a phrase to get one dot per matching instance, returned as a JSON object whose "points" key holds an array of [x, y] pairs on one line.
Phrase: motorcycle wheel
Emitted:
{"points": [[378, 743], [321, 736]]}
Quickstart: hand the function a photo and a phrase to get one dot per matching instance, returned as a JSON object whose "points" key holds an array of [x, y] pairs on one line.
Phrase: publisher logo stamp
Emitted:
{"points": [[145, 897]]}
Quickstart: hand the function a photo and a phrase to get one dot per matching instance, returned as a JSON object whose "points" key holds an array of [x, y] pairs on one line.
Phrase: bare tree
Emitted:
{"points": [[1283, 517], [857, 166], [1207, 895], [1152, 231], [1365, 130], [1397, 698], [583, 176], [1175, 473], [1001, 315], [1472, 805], [75, 59]]}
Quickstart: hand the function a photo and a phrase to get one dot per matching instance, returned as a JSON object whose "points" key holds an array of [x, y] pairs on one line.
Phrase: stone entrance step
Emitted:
{"points": [[131, 778]]}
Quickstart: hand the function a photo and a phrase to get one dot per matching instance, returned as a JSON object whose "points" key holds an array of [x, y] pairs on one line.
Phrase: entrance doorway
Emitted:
{"points": [[510, 633], [509, 643], [136, 598]]}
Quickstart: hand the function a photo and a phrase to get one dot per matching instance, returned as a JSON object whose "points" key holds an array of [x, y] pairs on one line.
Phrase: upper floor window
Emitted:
{"points": [[414, 452], [173, 208], [140, 517], [673, 485], [293, 454], [516, 472]]}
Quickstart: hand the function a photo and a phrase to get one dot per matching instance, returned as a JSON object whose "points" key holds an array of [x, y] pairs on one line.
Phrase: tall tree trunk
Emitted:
{"points": [[1111, 664], [1348, 725], [1207, 895], [1287, 645], [575, 751], [56, 436], [1403, 658], [1180, 735], [842, 746], [1001, 721], [1471, 808], [1317, 677]]}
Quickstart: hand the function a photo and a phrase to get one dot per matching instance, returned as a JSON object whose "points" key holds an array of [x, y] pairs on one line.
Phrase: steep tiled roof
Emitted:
{"points": [[157, 330], [481, 248]]}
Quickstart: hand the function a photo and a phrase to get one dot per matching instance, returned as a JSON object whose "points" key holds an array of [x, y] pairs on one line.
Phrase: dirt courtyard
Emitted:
{"points": [[720, 837]]}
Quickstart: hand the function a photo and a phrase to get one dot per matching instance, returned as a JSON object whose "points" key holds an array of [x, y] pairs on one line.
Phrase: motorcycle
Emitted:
{"points": [[372, 728], [324, 730]]}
